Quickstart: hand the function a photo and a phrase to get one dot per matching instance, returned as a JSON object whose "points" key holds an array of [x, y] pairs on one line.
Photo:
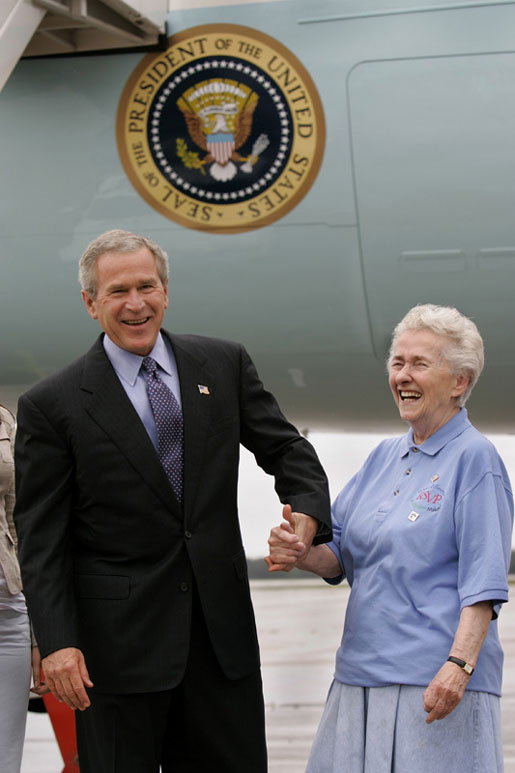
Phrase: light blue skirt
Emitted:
{"points": [[15, 672], [383, 730]]}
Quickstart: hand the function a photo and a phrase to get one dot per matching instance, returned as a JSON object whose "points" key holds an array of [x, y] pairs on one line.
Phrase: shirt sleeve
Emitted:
{"points": [[483, 522], [338, 513]]}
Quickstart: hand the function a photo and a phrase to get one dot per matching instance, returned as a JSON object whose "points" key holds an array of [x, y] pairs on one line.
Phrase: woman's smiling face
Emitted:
{"points": [[422, 383]]}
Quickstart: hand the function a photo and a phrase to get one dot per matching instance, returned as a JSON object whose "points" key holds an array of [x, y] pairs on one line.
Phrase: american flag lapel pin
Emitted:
{"points": [[204, 390]]}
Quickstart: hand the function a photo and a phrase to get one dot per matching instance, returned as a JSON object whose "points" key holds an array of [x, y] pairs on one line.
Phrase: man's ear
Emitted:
{"points": [[90, 304]]}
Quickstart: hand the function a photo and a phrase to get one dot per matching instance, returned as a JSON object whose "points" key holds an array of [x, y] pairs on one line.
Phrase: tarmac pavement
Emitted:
{"points": [[299, 624]]}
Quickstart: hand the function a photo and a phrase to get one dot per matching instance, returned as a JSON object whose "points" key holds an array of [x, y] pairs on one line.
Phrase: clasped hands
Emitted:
{"points": [[290, 542]]}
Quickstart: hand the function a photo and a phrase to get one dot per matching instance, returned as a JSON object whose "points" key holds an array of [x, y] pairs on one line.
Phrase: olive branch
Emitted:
{"points": [[190, 159]]}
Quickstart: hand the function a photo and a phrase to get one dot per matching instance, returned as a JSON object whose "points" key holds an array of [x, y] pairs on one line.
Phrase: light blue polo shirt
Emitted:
{"points": [[421, 532]]}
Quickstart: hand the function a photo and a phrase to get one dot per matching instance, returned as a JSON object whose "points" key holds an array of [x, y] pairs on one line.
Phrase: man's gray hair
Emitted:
{"points": [[117, 241], [463, 349]]}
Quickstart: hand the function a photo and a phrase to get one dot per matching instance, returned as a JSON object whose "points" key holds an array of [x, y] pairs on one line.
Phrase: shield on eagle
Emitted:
{"points": [[218, 114]]}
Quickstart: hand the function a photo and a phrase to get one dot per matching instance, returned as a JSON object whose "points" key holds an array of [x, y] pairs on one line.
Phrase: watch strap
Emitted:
{"points": [[467, 667]]}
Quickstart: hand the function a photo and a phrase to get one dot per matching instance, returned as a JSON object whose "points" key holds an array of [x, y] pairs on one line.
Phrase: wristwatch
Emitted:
{"points": [[467, 667]]}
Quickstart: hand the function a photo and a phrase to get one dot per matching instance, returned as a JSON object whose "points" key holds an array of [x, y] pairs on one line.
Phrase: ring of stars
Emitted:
{"points": [[175, 177]]}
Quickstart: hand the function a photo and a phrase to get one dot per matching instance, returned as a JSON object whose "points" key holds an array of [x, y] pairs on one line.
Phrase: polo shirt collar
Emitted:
{"points": [[127, 365], [454, 427]]}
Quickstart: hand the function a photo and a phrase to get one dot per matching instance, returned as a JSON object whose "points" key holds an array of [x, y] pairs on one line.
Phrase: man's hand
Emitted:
{"points": [[290, 542], [67, 676], [445, 691]]}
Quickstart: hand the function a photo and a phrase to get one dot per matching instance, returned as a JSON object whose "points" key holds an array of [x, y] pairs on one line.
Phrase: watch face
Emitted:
{"points": [[467, 667]]}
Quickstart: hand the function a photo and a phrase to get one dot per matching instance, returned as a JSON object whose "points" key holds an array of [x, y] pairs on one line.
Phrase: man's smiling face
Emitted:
{"points": [[130, 300]]}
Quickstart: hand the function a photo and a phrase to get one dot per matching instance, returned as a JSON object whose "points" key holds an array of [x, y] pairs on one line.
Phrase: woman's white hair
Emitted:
{"points": [[117, 241], [463, 348]]}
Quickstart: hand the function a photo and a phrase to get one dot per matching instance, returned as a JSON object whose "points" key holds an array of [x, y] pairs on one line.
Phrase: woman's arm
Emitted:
{"points": [[322, 561], [8, 420], [446, 688]]}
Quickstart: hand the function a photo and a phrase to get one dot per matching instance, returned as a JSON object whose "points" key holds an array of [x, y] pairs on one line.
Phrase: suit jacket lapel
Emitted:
{"points": [[196, 408], [112, 410]]}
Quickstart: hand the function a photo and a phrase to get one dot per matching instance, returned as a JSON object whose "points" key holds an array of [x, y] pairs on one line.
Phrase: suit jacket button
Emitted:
{"points": [[188, 534], [184, 587]]}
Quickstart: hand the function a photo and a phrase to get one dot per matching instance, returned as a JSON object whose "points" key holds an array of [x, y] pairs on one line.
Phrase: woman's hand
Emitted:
{"points": [[445, 691], [39, 687]]}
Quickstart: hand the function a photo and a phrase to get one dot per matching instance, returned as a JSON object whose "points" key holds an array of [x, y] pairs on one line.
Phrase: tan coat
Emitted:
{"points": [[8, 540]]}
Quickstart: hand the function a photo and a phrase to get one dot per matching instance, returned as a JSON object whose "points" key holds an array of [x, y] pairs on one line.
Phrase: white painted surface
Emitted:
{"points": [[19, 20]]}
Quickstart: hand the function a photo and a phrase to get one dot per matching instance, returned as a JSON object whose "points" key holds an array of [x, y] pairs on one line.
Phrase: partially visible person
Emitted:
{"points": [[423, 534], [15, 640]]}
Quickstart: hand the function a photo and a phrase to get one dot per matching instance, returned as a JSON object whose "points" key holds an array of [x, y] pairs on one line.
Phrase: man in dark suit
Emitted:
{"points": [[131, 553]]}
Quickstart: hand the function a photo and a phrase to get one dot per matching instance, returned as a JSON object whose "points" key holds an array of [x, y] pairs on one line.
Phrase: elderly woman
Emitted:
{"points": [[422, 533], [15, 641]]}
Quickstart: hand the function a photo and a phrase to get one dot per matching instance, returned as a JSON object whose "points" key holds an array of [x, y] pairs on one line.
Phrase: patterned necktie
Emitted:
{"points": [[168, 418]]}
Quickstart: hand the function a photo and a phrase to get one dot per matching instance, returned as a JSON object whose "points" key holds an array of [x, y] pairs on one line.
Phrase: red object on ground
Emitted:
{"points": [[63, 722]]}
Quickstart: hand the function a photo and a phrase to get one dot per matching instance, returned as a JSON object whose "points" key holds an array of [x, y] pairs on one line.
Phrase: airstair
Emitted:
{"points": [[31, 28]]}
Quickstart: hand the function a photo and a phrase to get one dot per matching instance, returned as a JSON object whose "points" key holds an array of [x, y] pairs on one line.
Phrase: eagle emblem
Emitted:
{"points": [[218, 113]]}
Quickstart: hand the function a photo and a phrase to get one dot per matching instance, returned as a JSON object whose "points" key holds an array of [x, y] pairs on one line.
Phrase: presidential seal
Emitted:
{"points": [[224, 131]]}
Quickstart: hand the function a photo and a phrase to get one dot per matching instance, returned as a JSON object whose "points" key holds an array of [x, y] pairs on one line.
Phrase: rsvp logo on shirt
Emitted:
{"points": [[429, 499]]}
